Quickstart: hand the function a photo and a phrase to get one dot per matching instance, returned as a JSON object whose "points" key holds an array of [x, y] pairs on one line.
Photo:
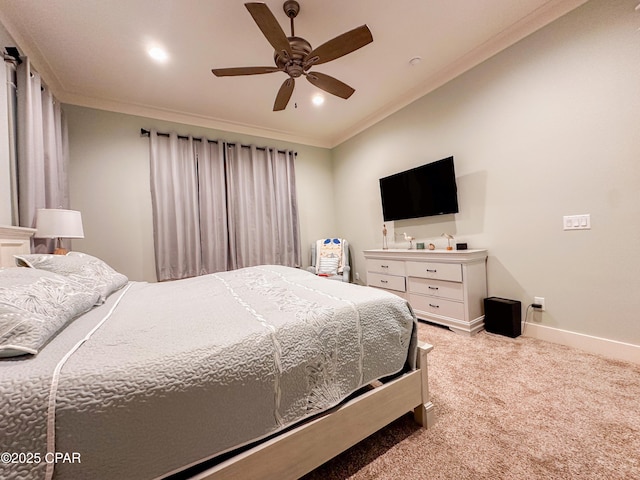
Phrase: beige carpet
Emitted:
{"points": [[509, 408]]}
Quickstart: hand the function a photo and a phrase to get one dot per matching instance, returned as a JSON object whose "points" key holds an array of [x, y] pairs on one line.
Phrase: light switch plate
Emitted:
{"points": [[577, 222]]}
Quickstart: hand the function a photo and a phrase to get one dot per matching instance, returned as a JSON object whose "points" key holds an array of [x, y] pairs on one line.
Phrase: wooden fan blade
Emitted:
{"points": [[269, 26], [340, 46], [284, 94], [330, 84], [234, 71]]}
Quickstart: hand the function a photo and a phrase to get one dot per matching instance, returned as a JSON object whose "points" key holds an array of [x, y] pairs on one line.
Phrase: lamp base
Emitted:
{"points": [[58, 250]]}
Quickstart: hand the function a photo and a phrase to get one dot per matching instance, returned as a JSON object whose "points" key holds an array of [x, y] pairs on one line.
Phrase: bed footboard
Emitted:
{"points": [[424, 414], [300, 450]]}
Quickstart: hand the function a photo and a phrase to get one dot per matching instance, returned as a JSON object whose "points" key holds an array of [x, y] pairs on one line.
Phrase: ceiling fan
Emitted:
{"points": [[294, 55]]}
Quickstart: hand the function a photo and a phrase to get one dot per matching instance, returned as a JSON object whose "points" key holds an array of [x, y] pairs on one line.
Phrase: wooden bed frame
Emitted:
{"points": [[300, 450], [307, 446]]}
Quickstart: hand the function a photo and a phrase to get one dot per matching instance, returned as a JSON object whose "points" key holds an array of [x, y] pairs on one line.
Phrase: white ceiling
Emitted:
{"points": [[93, 53]]}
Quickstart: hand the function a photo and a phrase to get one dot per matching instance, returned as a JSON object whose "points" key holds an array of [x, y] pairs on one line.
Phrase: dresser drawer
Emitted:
{"points": [[437, 306], [436, 288], [391, 267], [390, 282], [440, 271]]}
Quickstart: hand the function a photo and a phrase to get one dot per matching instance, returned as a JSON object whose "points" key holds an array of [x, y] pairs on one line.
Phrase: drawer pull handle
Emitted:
{"points": [[432, 288], [434, 306], [384, 281], [384, 266], [431, 271]]}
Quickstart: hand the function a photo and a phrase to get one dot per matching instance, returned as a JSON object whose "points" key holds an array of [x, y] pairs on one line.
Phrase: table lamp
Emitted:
{"points": [[58, 223]]}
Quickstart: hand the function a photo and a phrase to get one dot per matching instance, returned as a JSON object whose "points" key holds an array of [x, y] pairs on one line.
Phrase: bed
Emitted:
{"points": [[245, 373]]}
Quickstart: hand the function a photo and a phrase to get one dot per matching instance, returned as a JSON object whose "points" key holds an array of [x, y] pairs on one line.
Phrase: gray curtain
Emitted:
{"points": [[263, 212], [8, 183], [42, 151], [213, 206], [237, 207], [174, 193]]}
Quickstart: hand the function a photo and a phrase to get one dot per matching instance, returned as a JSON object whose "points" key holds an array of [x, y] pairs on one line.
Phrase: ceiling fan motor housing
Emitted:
{"points": [[300, 48]]}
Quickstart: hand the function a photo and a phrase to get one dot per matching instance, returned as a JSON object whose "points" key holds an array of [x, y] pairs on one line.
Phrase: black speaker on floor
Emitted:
{"points": [[502, 316]]}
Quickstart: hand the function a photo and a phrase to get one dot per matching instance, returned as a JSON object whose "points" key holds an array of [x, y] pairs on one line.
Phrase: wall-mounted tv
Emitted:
{"points": [[420, 192]]}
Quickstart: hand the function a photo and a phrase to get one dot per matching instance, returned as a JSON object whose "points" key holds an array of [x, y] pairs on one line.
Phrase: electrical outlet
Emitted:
{"points": [[539, 301]]}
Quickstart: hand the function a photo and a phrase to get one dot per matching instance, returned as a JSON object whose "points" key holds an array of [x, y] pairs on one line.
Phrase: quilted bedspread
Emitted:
{"points": [[171, 374]]}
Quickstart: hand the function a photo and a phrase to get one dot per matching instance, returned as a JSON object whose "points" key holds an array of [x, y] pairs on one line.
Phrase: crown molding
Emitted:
{"points": [[189, 119]]}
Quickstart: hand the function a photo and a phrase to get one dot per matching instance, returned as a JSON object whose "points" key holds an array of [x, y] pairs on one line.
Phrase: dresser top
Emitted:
{"points": [[7, 231], [438, 254]]}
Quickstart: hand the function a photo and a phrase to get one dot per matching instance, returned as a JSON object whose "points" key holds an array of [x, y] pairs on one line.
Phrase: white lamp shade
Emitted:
{"points": [[58, 223]]}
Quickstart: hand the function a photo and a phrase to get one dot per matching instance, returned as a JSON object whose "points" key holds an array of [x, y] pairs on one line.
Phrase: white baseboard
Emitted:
{"points": [[602, 346]]}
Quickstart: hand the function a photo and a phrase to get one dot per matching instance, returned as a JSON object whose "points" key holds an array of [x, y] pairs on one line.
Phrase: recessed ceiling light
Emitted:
{"points": [[318, 99], [158, 54]]}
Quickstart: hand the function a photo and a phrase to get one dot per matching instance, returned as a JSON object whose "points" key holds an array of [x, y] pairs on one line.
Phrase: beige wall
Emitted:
{"points": [[547, 128], [109, 184]]}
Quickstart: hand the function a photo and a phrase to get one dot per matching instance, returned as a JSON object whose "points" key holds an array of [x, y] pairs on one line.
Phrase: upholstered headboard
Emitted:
{"points": [[13, 241]]}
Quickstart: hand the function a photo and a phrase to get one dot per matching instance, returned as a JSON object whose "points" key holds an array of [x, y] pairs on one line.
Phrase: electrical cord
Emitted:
{"points": [[533, 306]]}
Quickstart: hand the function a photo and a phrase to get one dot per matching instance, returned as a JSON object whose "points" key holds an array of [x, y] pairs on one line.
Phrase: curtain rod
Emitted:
{"points": [[145, 133], [12, 55]]}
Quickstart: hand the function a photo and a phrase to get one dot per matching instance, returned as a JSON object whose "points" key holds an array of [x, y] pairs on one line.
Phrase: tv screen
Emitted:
{"points": [[420, 192]]}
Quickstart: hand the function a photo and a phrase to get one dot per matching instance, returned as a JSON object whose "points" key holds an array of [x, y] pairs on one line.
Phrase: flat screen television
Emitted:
{"points": [[420, 192]]}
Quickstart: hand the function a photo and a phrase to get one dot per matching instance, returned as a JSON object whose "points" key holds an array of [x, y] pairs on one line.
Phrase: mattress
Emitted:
{"points": [[166, 375]]}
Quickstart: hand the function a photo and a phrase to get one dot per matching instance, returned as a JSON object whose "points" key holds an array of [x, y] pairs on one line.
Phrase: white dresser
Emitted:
{"points": [[14, 241], [444, 287]]}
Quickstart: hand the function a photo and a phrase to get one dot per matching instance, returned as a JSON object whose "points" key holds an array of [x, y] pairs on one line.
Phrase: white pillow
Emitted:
{"points": [[328, 265], [85, 269], [35, 305]]}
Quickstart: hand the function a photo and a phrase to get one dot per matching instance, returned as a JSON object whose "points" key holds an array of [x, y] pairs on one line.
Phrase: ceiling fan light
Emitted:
{"points": [[318, 99]]}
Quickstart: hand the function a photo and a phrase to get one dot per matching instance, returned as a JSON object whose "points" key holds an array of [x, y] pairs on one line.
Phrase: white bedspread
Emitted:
{"points": [[182, 371]]}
